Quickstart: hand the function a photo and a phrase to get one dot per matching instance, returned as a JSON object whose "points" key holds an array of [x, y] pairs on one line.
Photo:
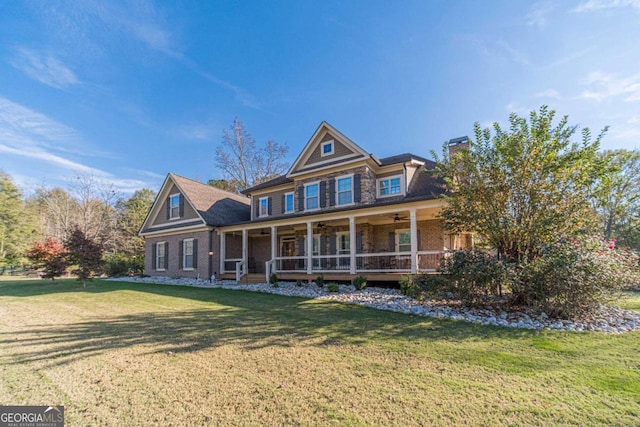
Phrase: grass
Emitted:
{"points": [[132, 354]]}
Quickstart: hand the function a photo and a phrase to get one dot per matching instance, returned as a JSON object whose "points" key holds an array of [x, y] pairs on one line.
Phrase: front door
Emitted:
{"points": [[288, 249]]}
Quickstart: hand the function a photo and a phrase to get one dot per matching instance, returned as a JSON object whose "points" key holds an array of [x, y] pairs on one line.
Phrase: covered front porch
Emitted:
{"points": [[379, 244]]}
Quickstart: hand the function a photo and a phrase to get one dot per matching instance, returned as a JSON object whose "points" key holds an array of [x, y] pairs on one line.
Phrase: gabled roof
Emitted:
{"points": [[315, 140], [215, 207]]}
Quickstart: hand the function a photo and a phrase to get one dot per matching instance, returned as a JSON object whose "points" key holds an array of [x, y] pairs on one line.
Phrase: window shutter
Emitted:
{"points": [[154, 249], [195, 253], [323, 245], [357, 188], [166, 254], [301, 198], [283, 206], [322, 189], [301, 250], [181, 254], [269, 207], [392, 241], [257, 208], [181, 203], [332, 192], [332, 244], [419, 241], [359, 242], [168, 207]]}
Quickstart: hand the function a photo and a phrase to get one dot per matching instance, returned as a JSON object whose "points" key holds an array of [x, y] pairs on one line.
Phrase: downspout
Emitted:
{"points": [[210, 254]]}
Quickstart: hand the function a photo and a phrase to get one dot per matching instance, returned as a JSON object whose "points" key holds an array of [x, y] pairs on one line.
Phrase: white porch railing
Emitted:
{"points": [[230, 265], [239, 270], [384, 262], [429, 261], [290, 264]]}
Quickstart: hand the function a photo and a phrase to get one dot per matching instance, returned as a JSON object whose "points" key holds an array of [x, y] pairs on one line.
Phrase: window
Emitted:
{"points": [[187, 254], [311, 196], [326, 148], [160, 256], [403, 241], [288, 202], [174, 206], [391, 186], [344, 190], [264, 207]]}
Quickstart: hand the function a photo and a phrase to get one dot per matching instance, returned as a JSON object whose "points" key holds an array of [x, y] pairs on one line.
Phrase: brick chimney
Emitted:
{"points": [[456, 144]]}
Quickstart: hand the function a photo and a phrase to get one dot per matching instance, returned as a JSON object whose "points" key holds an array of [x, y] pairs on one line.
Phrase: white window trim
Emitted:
{"points": [[352, 190], [309, 184], [171, 217], [184, 254], [293, 202], [398, 231], [333, 148], [389, 178], [158, 256], [260, 214]]}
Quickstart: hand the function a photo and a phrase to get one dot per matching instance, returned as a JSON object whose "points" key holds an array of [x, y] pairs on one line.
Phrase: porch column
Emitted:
{"points": [[274, 242], [414, 241], [223, 251], [352, 245], [245, 251], [309, 247]]}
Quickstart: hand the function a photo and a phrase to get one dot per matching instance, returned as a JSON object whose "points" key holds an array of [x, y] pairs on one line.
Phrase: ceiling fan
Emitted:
{"points": [[397, 218]]}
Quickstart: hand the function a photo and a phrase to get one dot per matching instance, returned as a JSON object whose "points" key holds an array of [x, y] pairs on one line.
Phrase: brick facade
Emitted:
{"points": [[173, 268]]}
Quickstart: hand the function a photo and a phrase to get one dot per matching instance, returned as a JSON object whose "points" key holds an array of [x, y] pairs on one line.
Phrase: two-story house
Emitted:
{"points": [[339, 211]]}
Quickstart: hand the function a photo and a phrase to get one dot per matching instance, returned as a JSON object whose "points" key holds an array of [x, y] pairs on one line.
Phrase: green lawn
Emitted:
{"points": [[137, 355]]}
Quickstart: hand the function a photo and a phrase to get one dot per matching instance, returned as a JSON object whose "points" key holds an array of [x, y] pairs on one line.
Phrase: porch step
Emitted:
{"points": [[252, 278]]}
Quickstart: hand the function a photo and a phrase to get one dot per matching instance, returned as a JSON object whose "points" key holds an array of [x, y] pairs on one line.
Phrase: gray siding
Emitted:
{"points": [[188, 213], [339, 150]]}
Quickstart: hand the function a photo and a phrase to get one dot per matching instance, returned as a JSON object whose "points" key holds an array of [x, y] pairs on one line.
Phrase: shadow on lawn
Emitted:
{"points": [[246, 319]]}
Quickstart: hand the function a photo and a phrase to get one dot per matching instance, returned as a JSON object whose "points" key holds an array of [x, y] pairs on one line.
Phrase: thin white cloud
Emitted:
{"points": [[594, 5], [32, 136], [538, 14], [548, 93], [602, 86], [44, 68]]}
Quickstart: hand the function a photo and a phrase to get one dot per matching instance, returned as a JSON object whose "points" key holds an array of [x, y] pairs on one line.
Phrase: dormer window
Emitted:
{"points": [[174, 206], [326, 148], [390, 186]]}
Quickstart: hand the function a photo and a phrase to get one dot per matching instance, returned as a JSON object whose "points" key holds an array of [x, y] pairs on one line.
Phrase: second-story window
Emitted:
{"points": [[390, 186], [264, 206], [288, 203], [174, 206], [311, 196], [344, 190]]}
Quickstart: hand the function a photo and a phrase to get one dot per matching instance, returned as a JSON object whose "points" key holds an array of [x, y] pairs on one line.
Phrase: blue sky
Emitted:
{"points": [[129, 91]]}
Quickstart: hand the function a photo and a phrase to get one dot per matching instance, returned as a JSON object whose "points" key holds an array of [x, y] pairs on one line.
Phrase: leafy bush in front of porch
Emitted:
{"points": [[273, 280], [299, 283], [359, 283], [333, 287], [320, 281]]}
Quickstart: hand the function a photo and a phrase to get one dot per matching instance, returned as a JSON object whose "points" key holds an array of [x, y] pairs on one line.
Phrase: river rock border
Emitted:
{"points": [[609, 320]]}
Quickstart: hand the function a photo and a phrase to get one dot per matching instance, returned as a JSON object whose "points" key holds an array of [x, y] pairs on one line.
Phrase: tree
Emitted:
{"points": [[523, 188], [223, 184], [131, 214], [243, 163], [617, 196], [18, 226], [85, 254], [50, 256]]}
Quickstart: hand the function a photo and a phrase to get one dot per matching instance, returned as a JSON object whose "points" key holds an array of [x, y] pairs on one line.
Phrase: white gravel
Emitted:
{"points": [[609, 320]]}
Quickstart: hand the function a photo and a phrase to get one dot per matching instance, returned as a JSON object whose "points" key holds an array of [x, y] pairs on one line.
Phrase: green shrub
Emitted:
{"points": [[469, 275], [332, 287], [409, 286], [117, 264], [299, 283], [320, 281], [273, 280], [574, 276], [359, 283]]}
